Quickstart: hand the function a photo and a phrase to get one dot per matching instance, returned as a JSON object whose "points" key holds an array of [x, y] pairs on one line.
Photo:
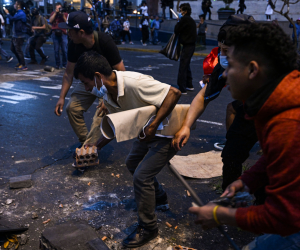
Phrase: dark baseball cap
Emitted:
{"points": [[77, 20]]}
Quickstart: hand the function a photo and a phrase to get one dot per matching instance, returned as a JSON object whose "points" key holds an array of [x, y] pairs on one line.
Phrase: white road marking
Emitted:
{"points": [[44, 79], [30, 92], [17, 96], [6, 85], [13, 102], [56, 96], [215, 123], [163, 64], [16, 74], [51, 87]]}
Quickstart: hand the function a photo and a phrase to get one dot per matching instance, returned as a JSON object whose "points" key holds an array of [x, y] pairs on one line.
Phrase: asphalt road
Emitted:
{"points": [[35, 141]]}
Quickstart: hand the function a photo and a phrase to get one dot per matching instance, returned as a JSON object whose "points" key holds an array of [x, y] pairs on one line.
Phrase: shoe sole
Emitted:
{"points": [[9, 60], [139, 245], [218, 147], [190, 89]]}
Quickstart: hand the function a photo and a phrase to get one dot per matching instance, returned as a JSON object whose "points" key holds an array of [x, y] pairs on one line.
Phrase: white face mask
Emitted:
{"points": [[99, 93], [223, 62]]}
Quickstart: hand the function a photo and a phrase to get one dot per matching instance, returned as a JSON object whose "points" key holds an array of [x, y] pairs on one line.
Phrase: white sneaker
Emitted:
{"points": [[123, 42], [219, 145], [131, 43], [190, 89], [184, 93], [144, 44]]}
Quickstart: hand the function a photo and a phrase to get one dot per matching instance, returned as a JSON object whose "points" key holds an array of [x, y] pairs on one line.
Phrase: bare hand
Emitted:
{"points": [[102, 110], [235, 187], [181, 138], [204, 215], [6, 10], [149, 133], [59, 106], [90, 145], [205, 79]]}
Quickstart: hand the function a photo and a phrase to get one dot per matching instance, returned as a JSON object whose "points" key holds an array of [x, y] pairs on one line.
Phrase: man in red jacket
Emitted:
{"points": [[262, 73]]}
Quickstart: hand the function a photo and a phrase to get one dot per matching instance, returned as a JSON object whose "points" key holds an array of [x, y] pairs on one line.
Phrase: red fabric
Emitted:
{"points": [[57, 20], [278, 129], [210, 61]]}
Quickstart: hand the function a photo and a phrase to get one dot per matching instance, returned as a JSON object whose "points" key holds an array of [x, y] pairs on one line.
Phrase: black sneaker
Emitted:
{"points": [[139, 237], [9, 59], [162, 203], [44, 60], [57, 67], [33, 62]]}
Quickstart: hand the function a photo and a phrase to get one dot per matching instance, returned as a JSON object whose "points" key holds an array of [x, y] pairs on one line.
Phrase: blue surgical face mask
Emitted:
{"points": [[99, 93], [223, 62], [180, 15]]}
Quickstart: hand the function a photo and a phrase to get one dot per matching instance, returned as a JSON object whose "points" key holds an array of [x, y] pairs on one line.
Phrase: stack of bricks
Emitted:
{"points": [[86, 157]]}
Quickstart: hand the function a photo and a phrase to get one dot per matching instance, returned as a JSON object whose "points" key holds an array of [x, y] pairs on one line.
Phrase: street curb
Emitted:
{"points": [[131, 49]]}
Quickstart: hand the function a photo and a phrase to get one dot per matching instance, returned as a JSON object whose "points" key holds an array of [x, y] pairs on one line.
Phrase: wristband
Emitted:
{"points": [[215, 215]]}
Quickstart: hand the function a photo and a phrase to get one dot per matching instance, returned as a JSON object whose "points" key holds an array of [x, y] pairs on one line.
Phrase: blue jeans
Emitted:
{"points": [[155, 36], [274, 241], [60, 43]]}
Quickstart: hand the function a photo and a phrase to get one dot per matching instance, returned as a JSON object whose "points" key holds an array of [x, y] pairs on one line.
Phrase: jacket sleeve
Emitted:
{"points": [[280, 214], [18, 16], [178, 27]]}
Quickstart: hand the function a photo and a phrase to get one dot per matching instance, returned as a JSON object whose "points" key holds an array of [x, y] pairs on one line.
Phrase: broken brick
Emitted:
{"points": [[23, 181]]}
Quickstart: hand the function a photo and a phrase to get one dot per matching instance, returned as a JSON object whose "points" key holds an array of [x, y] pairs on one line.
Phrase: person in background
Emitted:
{"points": [[186, 29], [242, 7], [144, 8], [105, 23], [126, 31], [204, 8], [202, 29], [151, 19], [297, 24], [155, 27], [17, 41], [208, 6], [38, 39], [269, 10], [144, 26], [2, 51], [59, 36]]}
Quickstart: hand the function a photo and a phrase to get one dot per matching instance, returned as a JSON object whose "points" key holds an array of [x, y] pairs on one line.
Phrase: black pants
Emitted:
{"points": [[209, 13], [124, 33], [184, 79], [16, 48], [144, 162], [241, 10], [202, 38], [240, 138], [35, 44], [268, 17], [145, 33]]}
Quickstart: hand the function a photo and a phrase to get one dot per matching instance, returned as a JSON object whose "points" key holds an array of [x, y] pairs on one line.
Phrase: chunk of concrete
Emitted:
{"points": [[23, 181], [71, 235]]}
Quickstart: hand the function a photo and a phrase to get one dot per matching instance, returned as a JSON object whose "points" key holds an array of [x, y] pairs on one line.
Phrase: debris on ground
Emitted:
{"points": [[188, 193], [46, 221], [23, 181], [34, 215], [9, 201], [168, 224]]}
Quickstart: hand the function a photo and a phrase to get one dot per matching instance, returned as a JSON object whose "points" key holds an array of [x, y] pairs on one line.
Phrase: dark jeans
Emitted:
{"points": [[240, 138], [268, 17], [185, 78], [202, 38], [145, 161], [145, 33], [241, 10], [35, 44], [16, 48], [124, 33], [60, 43]]}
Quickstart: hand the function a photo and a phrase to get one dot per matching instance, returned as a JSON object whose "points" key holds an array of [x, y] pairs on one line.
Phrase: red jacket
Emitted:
{"points": [[278, 128]]}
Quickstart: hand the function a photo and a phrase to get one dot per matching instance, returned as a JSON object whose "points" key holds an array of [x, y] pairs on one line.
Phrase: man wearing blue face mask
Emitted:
{"points": [[126, 90], [241, 135]]}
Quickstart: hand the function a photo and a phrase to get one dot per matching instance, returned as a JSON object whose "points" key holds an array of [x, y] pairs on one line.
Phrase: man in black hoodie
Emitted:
{"points": [[186, 29]]}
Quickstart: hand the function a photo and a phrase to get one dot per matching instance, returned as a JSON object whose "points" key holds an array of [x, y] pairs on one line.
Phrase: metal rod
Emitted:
{"points": [[200, 203]]}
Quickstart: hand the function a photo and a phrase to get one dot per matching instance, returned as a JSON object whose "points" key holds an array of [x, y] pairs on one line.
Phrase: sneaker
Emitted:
{"points": [[33, 62], [27, 57], [63, 67], [219, 146], [123, 42], [184, 93], [144, 44], [162, 203], [131, 43], [17, 66], [56, 67], [44, 60], [141, 42], [190, 89], [139, 237], [9, 59], [21, 67]]}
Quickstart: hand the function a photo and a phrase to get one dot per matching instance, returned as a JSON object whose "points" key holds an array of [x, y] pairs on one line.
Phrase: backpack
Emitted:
{"points": [[48, 27]]}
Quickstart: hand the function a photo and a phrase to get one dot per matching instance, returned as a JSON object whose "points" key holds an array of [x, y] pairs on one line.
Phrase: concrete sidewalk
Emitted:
{"points": [[137, 46]]}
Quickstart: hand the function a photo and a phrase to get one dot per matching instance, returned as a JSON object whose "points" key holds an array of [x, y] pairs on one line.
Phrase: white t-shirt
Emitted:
{"points": [[144, 10], [1, 21]]}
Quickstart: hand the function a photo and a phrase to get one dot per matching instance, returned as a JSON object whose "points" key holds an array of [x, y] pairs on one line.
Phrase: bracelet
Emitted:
{"points": [[215, 215]]}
